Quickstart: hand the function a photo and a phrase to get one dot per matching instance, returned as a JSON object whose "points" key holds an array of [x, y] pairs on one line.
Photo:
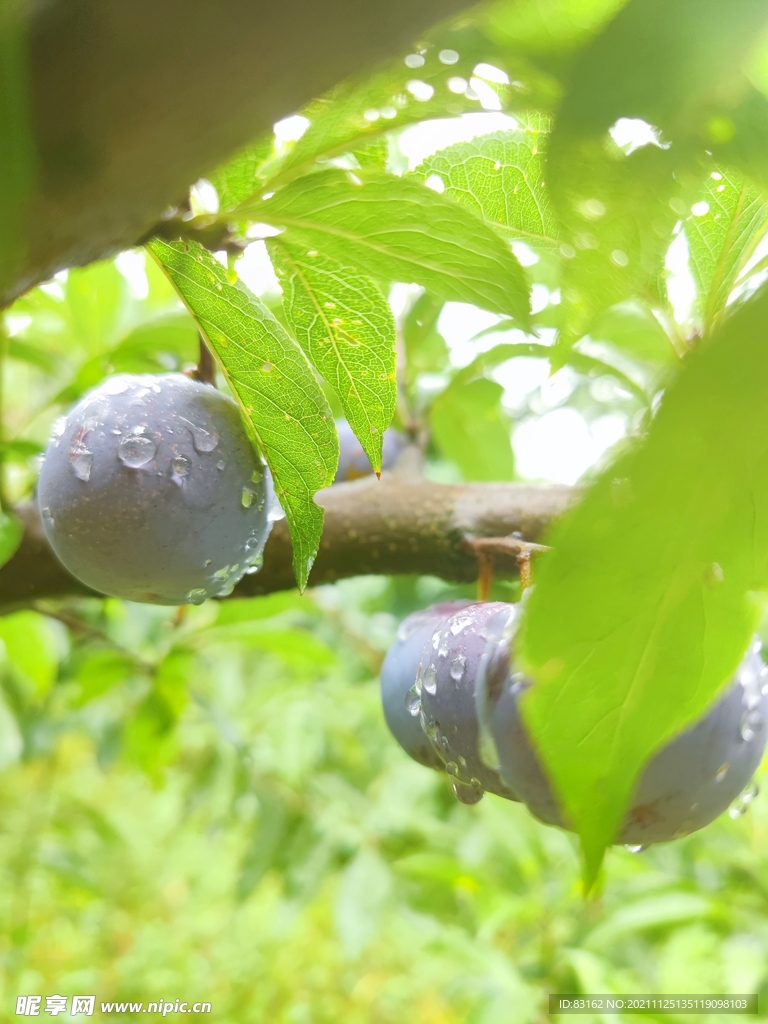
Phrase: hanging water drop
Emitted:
{"points": [[630, 848], [467, 792], [413, 700], [203, 440], [197, 596], [429, 680]]}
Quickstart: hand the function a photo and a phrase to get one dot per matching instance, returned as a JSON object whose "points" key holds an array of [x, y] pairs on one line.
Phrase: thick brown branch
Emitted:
{"points": [[131, 101], [396, 526]]}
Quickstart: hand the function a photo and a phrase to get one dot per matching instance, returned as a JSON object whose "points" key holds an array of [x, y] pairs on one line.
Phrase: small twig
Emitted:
{"points": [[209, 232], [205, 370], [484, 576]]}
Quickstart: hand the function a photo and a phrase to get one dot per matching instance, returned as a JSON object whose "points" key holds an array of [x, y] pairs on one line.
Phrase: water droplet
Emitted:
{"points": [[751, 724], [115, 386], [48, 516], [58, 429], [257, 475], [460, 623], [222, 574], [221, 464], [722, 771], [741, 806], [458, 667], [247, 498], [181, 466], [207, 562], [81, 460], [429, 680], [442, 651], [413, 700], [467, 792], [638, 848], [197, 596], [136, 450], [203, 440]]}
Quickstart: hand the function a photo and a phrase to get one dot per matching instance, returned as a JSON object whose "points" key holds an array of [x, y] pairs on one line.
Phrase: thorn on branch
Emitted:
{"points": [[486, 548]]}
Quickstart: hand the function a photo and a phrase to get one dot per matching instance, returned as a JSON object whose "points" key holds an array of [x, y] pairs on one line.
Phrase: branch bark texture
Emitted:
{"points": [[131, 101], [395, 526]]}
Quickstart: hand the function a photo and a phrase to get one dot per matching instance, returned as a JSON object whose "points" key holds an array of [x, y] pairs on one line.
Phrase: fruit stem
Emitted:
{"points": [[206, 365]]}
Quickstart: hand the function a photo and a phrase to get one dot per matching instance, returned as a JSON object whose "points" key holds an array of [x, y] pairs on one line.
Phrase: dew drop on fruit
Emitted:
{"points": [[203, 440], [81, 460], [635, 849], [136, 450], [180, 466], [58, 429], [722, 771], [257, 475], [741, 806], [751, 724], [429, 680], [460, 623], [413, 700], [247, 497], [48, 516], [458, 667], [197, 596], [221, 464]]}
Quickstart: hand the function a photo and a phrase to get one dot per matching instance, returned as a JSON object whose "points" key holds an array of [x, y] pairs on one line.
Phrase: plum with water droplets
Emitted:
{"points": [[448, 712], [399, 698], [353, 462], [142, 491], [685, 786]]}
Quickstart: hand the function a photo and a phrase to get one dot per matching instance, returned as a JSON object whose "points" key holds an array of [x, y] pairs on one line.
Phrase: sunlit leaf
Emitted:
{"points": [[502, 178], [395, 229], [725, 225], [641, 609], [345, 326], [274, 385]]}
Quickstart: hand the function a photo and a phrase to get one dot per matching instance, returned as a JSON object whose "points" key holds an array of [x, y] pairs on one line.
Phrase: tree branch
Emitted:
{"points": [[131, 101], [395, 526]]}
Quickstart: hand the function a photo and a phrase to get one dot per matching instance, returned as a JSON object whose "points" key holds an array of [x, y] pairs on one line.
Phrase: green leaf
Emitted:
{"points": [[395, 229], [723, 229], [359, 111], [273, 383], [31, 647], [657, 61], [95, 295], [632, 328], [547, 26], [501, 177], [425, 348], [641, 612], [469, 426], [11, 530], [240, 177], [345, 326], [589, 365]]}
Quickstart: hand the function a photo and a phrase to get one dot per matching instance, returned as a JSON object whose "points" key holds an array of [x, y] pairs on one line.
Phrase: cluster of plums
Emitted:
{"points": [[151, 490], [450, 693]]}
